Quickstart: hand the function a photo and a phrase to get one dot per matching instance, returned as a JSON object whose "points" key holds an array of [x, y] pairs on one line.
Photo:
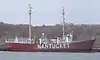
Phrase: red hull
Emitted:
{"points": [[82, 46]]}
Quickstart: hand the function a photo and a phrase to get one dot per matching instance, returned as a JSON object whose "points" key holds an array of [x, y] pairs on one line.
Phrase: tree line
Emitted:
{"points": [[81, 31]]}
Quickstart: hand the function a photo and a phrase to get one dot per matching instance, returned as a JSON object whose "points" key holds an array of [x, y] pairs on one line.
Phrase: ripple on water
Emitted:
{"points": [[48, 56]]}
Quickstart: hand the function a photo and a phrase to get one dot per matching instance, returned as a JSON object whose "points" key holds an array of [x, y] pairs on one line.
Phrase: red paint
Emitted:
{"points": [[76, 46]]}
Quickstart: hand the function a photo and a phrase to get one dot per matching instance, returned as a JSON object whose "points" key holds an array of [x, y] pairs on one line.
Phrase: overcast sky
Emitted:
{"points": [[49, 11]]}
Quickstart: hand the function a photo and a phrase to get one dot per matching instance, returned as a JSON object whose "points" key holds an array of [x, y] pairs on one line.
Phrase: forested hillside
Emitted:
{"points": [[82, 31]]}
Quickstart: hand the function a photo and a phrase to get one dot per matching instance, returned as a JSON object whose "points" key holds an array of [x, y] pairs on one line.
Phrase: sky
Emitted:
{"points": [[49, 11]]}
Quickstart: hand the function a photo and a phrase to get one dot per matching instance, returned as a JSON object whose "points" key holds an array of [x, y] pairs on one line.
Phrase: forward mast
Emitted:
{"points": [[30, 12]]}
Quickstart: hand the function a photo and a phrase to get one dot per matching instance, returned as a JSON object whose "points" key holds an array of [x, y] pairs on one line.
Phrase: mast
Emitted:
{"points": [[30, 12], [63, 18]]}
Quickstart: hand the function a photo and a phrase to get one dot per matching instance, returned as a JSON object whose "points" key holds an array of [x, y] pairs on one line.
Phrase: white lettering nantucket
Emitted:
{"points": [[51, 46]]}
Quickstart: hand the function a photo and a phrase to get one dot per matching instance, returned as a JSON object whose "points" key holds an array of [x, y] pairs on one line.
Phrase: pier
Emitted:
{"points": [[96, 48], [3, 47]]}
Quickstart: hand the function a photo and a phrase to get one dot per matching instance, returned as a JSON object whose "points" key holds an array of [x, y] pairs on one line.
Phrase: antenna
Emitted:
{"points": [[30, 12]]}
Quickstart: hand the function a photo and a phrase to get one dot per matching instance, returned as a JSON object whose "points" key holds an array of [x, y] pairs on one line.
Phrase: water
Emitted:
{"points": [[48, 56]]}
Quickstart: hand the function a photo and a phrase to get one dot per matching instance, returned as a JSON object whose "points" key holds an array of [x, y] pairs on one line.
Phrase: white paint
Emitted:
{"points": [[53, 46]]}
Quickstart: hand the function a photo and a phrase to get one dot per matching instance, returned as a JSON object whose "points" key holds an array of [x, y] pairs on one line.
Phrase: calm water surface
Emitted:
{"points": [[48, 56]]}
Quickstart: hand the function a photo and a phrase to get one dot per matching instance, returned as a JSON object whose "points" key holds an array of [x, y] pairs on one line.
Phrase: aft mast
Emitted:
{"points": [[63, 18], [30, 12]]}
